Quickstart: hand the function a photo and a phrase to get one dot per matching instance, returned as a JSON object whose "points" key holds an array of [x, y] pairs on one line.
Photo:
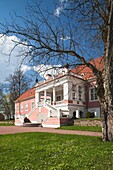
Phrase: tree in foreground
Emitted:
{"points": [[74, 32]]}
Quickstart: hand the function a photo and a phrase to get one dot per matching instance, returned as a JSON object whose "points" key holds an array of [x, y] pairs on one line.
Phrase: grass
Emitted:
{"points": [[44, 151], [6, 123], [82, 128]]}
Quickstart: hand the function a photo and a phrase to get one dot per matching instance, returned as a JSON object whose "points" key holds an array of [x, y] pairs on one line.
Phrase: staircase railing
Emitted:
{"points": [[50, 106], [53, 112], [29, 114]]}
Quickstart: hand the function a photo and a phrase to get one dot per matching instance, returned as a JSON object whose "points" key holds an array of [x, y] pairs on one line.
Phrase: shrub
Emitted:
{"points": [[90, 115]]}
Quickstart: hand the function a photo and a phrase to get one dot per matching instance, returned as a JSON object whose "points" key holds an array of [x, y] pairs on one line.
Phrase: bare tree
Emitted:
{"points": [[18, 83], [4, 102], [73, 34]]}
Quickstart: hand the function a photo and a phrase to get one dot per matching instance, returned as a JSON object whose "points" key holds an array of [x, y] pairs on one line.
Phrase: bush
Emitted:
{"points": [[90, 115]]}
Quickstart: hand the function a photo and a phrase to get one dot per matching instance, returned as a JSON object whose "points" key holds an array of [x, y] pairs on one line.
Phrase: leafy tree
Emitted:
{"points": [[75, 32]]}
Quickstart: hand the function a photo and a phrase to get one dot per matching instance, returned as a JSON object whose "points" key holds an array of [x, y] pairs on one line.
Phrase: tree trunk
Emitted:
{"points": [[107, 105], [107, 120]]}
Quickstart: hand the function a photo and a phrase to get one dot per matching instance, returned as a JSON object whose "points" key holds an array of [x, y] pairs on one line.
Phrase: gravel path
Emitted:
{"points": [[19, 129]]}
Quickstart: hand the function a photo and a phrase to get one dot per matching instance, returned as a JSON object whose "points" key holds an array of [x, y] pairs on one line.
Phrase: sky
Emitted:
{"points": [[9, 64]]}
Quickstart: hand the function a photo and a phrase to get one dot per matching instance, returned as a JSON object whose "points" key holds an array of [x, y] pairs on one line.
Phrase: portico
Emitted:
{"points": [[60, 94]]}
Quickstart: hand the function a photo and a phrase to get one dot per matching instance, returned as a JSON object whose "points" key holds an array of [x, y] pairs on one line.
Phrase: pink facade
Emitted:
{"points": [[24, 107]]}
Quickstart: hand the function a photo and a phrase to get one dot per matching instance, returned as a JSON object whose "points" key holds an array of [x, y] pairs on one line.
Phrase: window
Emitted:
{"points": [[21, 108], [74, 97], [74, 87], [74, 90], [80, 89], [26, 107], [32, 105], [93, 95], [58, 98], [80, 92], [80, 96]]}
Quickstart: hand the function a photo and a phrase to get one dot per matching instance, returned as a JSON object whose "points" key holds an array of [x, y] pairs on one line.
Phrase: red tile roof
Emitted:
{"points": [[27, 95], [86, 72]]}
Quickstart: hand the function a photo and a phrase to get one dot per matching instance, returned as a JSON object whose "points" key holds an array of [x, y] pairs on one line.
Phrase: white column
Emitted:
{"points": [[67, 91], [59, 112], [37, 98], [54, 95], [77, 114], [49, 113], [45, 94]]}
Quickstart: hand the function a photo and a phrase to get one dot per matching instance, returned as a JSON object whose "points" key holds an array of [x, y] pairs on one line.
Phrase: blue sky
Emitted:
{"points": [[8, 65], [7, 7]]}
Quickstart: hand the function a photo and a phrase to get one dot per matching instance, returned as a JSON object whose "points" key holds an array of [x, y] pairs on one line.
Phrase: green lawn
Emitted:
{"points": [[7, 123], [44, 151], [82, 128]]}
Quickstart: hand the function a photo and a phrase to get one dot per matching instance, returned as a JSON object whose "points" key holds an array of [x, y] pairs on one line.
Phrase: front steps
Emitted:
{"points": [[32, 125]]}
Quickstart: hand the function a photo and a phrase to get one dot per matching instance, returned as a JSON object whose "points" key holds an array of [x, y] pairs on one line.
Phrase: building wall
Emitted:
{"points": [[64, 88], [92, 105], [96, 111], [24, 107]]}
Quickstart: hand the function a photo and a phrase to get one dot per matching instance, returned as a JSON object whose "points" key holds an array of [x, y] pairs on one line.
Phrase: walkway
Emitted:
{"points": [[17, 129]]}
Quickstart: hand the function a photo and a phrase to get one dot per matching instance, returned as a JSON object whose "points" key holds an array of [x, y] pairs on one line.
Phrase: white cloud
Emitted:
{"points": [[43, 70], [9, 64], [65, 38], [57, 11], [25, 68], [61, 7]]}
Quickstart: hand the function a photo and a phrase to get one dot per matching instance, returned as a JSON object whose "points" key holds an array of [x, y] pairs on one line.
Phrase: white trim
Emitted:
{"points": [[34, 122], [90, 95], [18, 124]]}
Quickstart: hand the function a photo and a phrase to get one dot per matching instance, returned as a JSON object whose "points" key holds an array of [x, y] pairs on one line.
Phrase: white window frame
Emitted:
{"points": [[74, 92], [26, 107], [94, 93], [80, 92]]}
